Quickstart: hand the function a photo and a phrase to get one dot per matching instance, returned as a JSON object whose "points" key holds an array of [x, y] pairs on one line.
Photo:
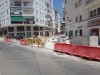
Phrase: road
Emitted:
{"points": [[18, 60]]}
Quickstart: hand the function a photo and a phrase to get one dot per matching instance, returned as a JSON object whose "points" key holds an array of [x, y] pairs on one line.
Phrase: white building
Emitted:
{"points": [[82, 17], [26, 17], [57, 21]]}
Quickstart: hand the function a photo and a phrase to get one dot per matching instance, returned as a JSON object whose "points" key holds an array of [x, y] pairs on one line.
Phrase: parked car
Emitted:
{"points": [[19, 37]]}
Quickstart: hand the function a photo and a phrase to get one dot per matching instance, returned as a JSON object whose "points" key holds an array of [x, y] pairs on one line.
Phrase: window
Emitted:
{"points": [[79, 3], [17, 3], [35, 28], [98, 11], [65, 1], [26, 3], [76, 5], [80, 31], [41, 33], [28, 34], [76, 32], [41, 28], [80, 18], [76, 19], [66, 33], [28, 28], [36, 20], [10, 29], [70, 33], [91, 13], [95, 13], [36, 34], [20, 28], [7, 11]]}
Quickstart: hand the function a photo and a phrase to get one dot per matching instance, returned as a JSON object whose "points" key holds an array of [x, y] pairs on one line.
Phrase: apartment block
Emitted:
{"points": [[26, 17], [57, 20], [82, 17]]}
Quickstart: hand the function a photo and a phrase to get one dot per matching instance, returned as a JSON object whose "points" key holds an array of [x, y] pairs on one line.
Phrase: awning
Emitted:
{"points": [[16, 18], [28, 17]]}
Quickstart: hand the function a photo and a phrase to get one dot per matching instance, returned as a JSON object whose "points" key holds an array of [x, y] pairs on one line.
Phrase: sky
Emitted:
{"points": [[58, 5]]}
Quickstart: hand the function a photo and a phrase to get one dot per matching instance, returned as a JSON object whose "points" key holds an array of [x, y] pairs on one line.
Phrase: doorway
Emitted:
{"points": [[94, 32]]}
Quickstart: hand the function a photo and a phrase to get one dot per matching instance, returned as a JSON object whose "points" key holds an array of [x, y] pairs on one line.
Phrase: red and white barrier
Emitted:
{"points": [[23, 42], [82, 51], [7, 40]]}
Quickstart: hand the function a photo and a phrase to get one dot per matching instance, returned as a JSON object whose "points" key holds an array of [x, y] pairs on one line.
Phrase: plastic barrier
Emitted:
{"points": [[95, 53], [23, 42], [59, 47], [65, 48], [82, 51], [7, 40], [68, 48]]}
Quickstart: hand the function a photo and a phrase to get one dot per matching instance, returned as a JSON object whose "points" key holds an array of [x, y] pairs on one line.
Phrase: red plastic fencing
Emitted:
{"points": [[95, 53], [82, 51], [23, 42], [65, 48], [68, 48], [7, 40], [58, 47]]}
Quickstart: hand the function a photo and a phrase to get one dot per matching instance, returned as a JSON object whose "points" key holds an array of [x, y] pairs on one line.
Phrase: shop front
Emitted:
{"points": [[94, 32], [94, 27]]}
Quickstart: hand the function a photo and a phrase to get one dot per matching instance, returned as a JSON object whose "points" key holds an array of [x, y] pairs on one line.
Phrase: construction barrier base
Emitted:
{"points": [[7, 40]]}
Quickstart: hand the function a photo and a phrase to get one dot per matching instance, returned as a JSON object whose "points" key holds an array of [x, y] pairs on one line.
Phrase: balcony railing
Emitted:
{"points": [[16, 10], [27, 11], [21, 10], [88, 1]]}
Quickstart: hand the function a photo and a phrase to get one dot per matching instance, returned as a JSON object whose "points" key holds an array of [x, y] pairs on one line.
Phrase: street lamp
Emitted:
{"points": [[68, 19]]}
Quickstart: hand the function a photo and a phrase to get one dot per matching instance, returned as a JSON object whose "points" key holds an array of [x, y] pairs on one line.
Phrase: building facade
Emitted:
{"points": [[26, 17], [82, 17], [57, 21]]}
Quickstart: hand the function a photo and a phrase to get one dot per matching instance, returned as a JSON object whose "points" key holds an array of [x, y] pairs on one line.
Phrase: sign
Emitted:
{"points": [[95, 22]]}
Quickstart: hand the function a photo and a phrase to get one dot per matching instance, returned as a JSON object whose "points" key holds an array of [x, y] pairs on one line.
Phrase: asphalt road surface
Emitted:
{"points": [[17, 60]]}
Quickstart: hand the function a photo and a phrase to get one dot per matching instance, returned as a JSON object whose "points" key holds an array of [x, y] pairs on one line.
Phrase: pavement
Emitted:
{"points": [[24, 60]]}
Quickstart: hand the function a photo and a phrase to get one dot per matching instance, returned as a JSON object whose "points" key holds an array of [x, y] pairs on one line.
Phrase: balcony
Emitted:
{"points": [[21, 10], [22, 3], [91, 3], [22, 20], [16, 10], [28, 10]]}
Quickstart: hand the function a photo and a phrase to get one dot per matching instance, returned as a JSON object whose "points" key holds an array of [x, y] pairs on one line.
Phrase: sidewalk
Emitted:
{"points": [[49, 46]]}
